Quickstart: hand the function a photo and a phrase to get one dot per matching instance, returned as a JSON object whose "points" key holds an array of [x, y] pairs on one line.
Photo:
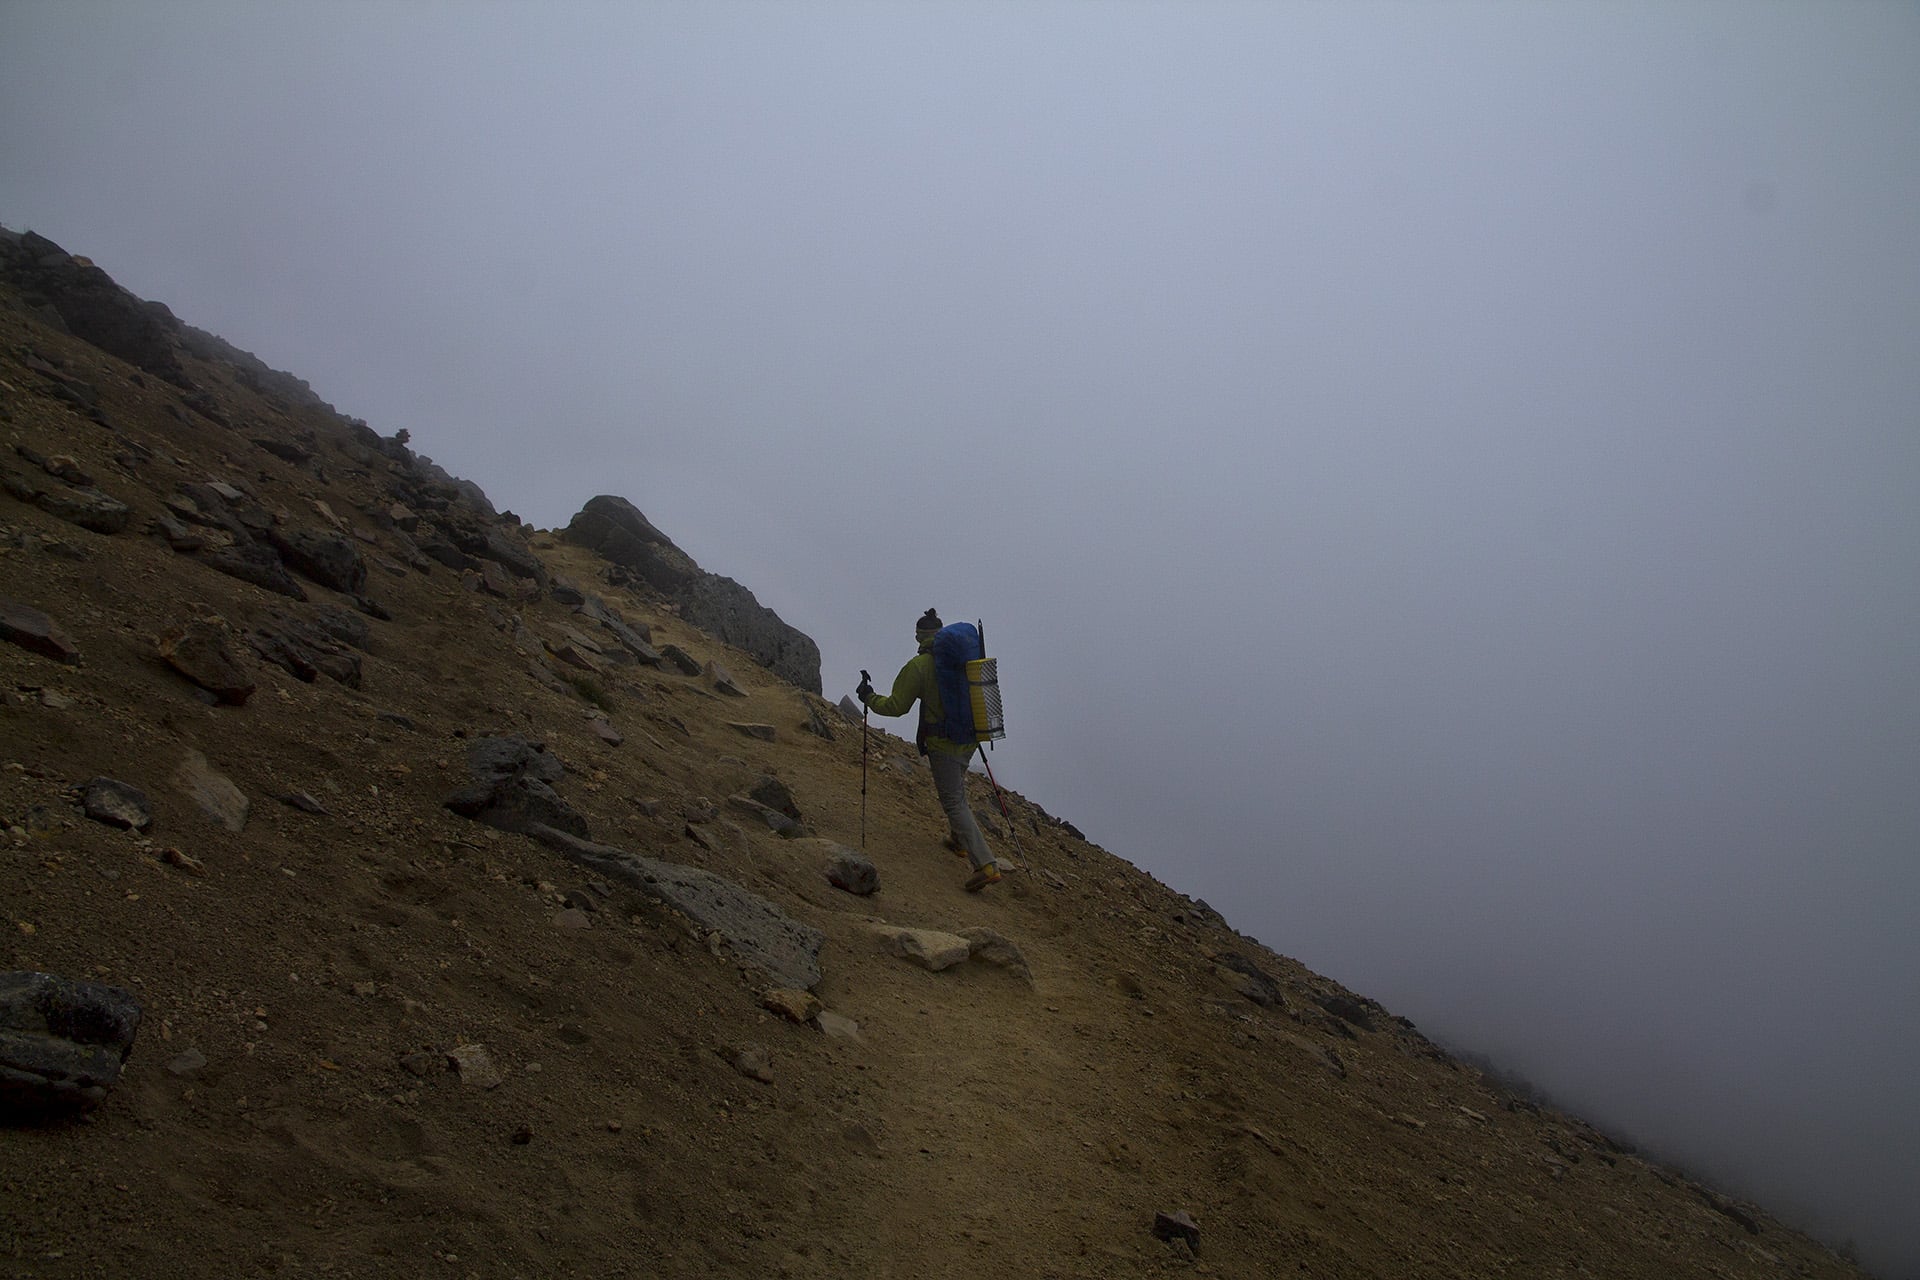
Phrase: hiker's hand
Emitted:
{"points": [[865, 691]]}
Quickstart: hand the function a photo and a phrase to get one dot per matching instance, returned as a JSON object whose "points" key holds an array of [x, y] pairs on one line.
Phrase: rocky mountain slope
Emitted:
{"points": [[492, 905]]}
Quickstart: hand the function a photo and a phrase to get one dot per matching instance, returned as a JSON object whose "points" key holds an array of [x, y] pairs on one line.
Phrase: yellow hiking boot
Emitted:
{"points": [[989, 874]]}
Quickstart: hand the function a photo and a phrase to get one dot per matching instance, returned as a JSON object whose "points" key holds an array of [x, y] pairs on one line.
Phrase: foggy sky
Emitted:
{"points": [[1443, 481]]}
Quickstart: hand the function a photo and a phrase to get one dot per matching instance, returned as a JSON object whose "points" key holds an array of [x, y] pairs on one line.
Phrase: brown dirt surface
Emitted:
{"points": [[326, 965]]}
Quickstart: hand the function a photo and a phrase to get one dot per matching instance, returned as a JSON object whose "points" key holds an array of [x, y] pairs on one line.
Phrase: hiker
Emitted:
{"points": [[948, 760]]}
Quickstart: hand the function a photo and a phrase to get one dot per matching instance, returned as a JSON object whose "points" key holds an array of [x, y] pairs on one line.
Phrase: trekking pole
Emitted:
{"points": [[864, 679], [1004, 812]]}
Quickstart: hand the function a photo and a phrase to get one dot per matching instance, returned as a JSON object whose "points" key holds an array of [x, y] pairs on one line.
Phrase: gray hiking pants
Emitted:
{"points": [[950, 782]]}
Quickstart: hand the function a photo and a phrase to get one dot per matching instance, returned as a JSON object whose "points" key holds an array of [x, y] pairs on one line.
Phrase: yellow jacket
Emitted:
{"points": [[916, 683]]}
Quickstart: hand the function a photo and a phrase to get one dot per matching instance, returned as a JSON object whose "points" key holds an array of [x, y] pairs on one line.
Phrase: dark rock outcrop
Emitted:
{"points": [[251, 371], [1357, 1013], [308, 648], [729, 612], [319, 556], [92, 307], [615, 528], [1252, 981], [253, 562]]}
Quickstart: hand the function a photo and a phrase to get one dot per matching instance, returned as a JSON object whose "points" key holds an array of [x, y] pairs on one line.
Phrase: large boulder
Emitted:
{"points": [[758, 931], [62, 1043]]}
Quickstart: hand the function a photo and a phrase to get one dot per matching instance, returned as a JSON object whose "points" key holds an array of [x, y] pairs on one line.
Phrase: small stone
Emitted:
{"points": [[187, 1062], [40, 820], [764, 732], [475, 1066], [754, 1062], [64, 550], [775, 794], [185, 861], [423, 1064], [31, 629], [88, 508], [605, 731], [774, 820], [1178, 1225], [63, 467], [929, 948], [365, 990], [177, 534], [571, 918], [837, 1027], [118, 804], [303, 802], [523, 1135], [214, 793], [989, 947], [681, 660], [199, 651], [573, 656], [853, 872], [794, 1006]]}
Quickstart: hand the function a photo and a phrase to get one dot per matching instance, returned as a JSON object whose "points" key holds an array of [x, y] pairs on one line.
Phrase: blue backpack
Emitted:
{"points": [[969, 685]]}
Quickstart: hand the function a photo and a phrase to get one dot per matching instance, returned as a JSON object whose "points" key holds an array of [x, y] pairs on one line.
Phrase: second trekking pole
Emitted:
{"points": [[865, 679]]}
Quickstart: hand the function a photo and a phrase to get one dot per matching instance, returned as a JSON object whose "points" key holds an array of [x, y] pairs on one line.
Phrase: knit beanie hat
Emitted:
{"points": [[929, 621]]}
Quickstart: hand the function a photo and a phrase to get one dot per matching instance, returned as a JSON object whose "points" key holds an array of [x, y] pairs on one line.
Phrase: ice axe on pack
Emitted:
{"points": [[988, 676]]}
